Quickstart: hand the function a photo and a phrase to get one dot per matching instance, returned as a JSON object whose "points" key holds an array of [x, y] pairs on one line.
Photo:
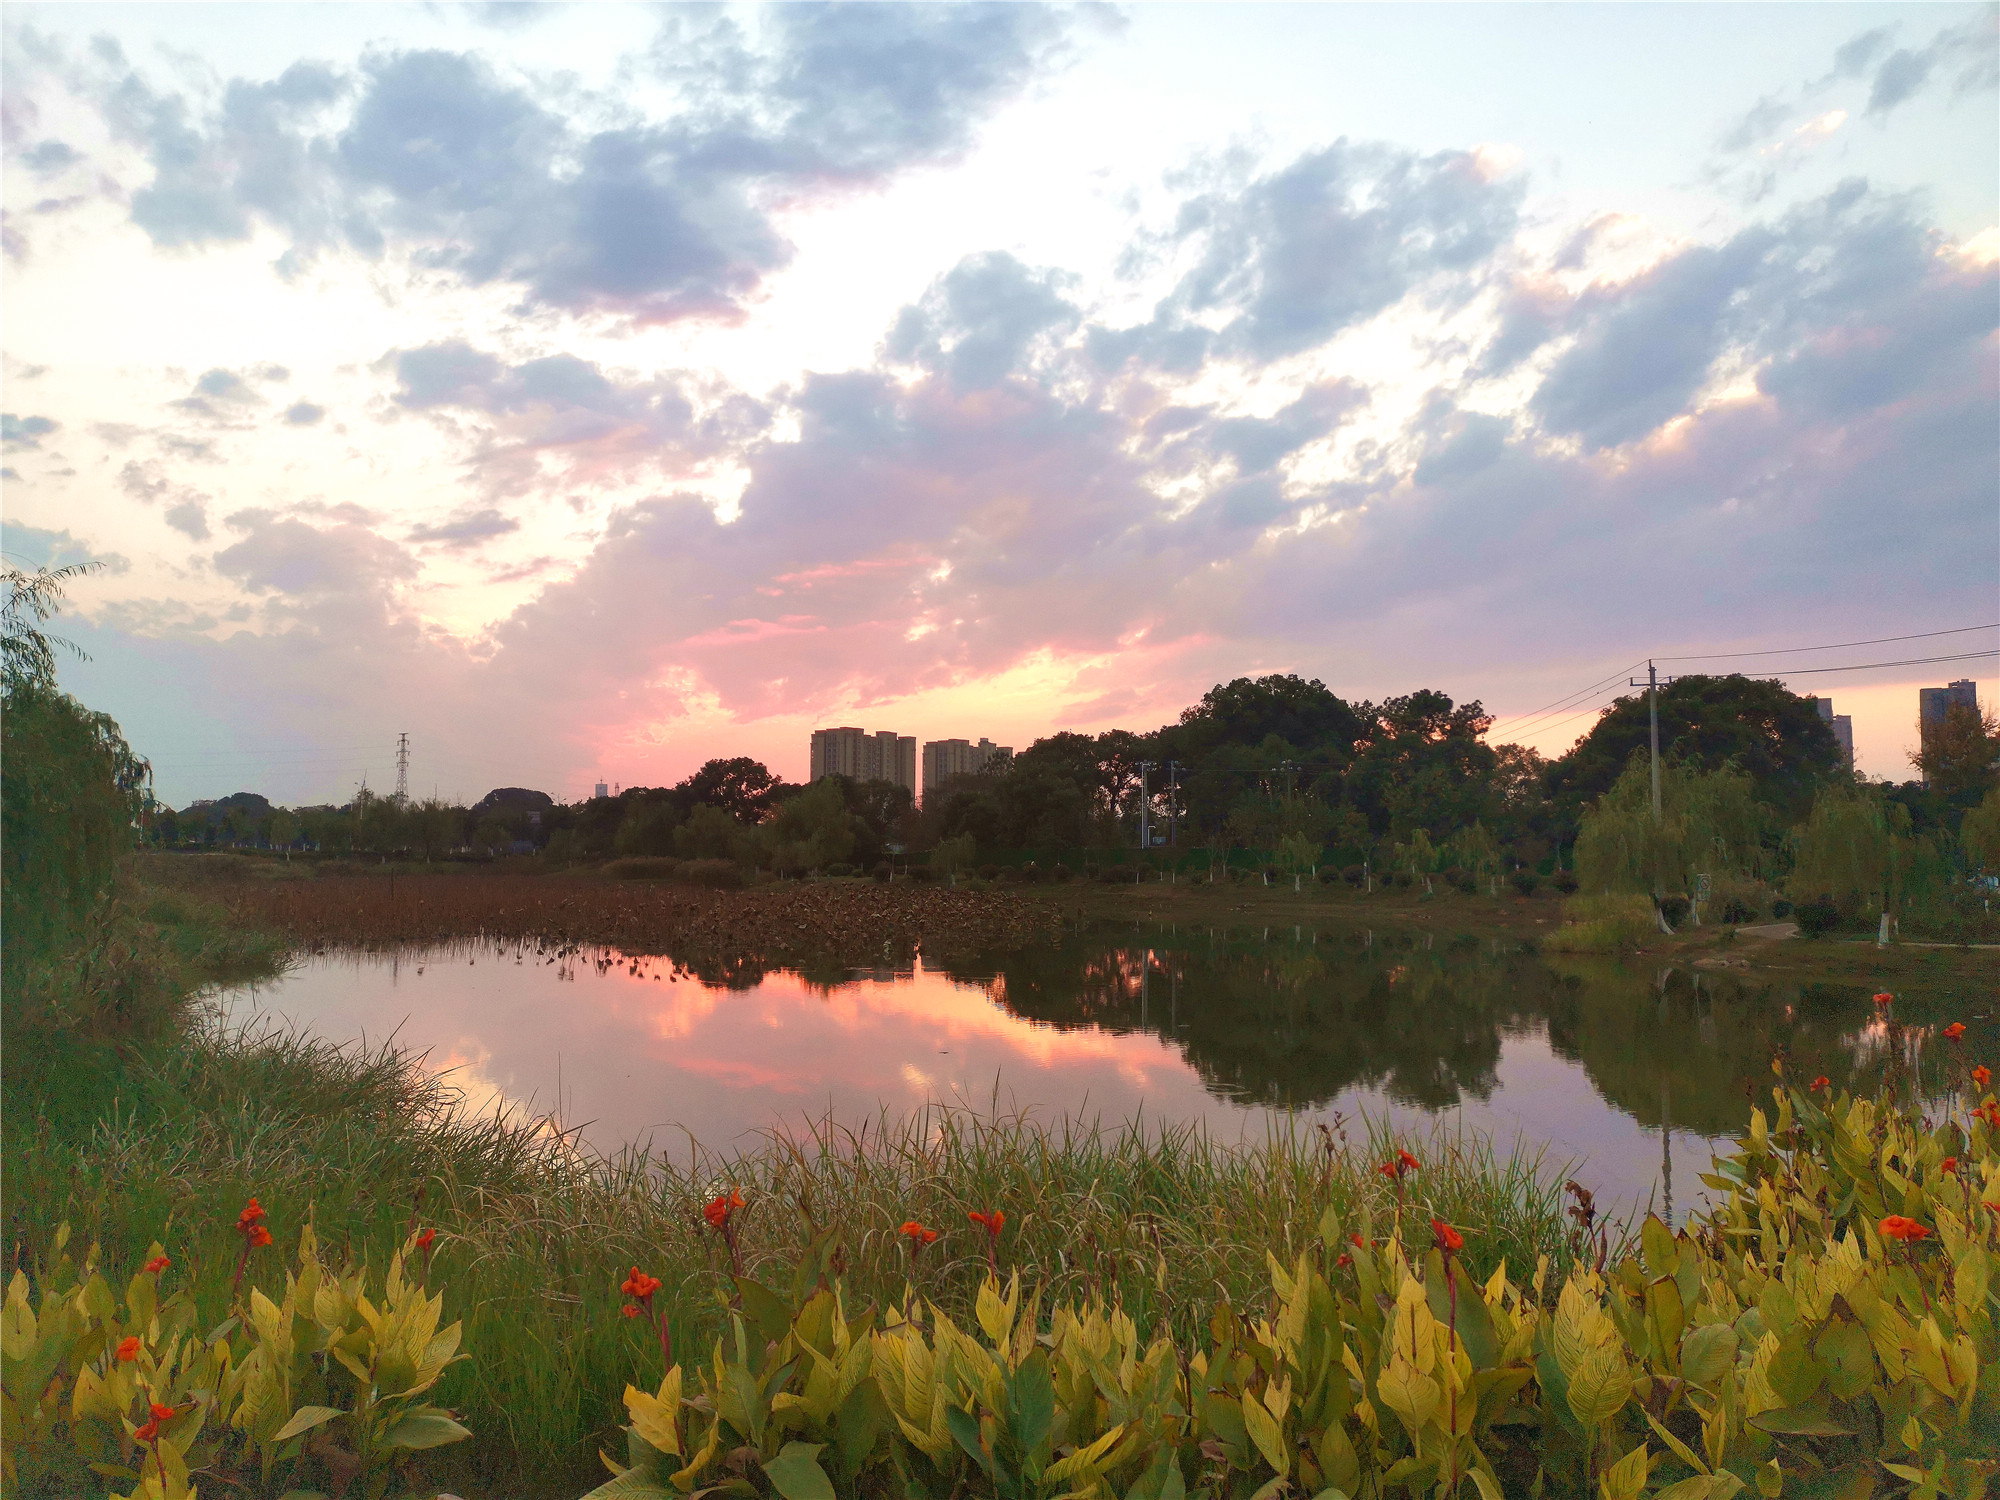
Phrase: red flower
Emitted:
{"points": [[1949, 1164], [425, 1240], [1896, 1227], [252, 1212], [629, 1310], [1822, 1082], [151, 1430], [128, 1348], [916, 1234], [1882, 1000], [1359, 1243], [1345, 1259], [156, 1265], [1982, 1075], [992, 1223], [1406, 1161], [640, 1285], [1954, 1031], [257, 1235], [1449, 1240], [721, 1207]]}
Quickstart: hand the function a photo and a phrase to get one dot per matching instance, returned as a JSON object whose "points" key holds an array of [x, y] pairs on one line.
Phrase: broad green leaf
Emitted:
{"points": [[1708, 1354], [1033, 1396], [1600, 1387], [305, 1419], [1266, 1432], [633, 1485], [795, 1473], [425, 1429], [1625, 1479]]}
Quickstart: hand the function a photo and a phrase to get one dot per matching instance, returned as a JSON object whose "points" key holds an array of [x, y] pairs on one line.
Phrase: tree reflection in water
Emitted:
{"points": [[1292, 1022]]}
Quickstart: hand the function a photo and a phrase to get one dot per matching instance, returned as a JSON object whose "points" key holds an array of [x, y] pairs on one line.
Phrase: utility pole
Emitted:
{"points": [[402, 769], [1145, 825], [1652, 687]]}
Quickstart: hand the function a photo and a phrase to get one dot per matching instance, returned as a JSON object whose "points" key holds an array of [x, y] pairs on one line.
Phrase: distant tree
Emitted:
{"points": [[1248, 711], [1775, 737], [711, 833], [954, 856], [1425, 765], [810, 830], [647, 827], [1857, 849], [1710, 822], [282, 828], [1959, 754], [435, 826], [740, 786], [1980, 833]]}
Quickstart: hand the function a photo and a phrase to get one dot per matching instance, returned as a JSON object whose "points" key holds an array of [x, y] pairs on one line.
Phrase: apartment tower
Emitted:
{"points": [[860, 755], [944, 759]]}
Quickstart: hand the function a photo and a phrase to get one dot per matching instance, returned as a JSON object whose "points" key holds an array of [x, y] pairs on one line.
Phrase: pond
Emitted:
{"points": [[1629, 1071]]}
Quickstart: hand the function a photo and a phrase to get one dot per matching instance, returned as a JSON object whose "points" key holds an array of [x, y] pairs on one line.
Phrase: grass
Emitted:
{"points": [[167, 1141]]}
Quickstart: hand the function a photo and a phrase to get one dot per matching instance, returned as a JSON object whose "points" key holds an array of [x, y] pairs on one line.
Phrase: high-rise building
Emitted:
{"points": [[599, 791], [882, 755], [947, 758], [1842, 726], [1934, 703]]}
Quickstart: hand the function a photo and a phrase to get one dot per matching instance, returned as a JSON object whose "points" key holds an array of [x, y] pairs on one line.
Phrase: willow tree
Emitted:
{"points": [[1856, 849], [1710, 823]]}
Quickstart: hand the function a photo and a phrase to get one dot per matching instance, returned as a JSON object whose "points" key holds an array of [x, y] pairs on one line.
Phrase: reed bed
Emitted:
{"points": [[858, 921], [535, 1232]]}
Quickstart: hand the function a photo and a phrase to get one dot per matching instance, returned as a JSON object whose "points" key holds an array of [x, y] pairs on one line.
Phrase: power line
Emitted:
{"points": [[1837, 646], [1869, 666], [1569, 699]]}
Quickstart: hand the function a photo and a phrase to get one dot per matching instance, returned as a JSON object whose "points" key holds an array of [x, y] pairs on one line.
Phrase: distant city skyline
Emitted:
{"points": [[592, 390]]}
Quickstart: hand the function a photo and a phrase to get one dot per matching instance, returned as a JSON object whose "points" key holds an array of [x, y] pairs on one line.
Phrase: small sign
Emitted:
{"points": [[1701, 888]]}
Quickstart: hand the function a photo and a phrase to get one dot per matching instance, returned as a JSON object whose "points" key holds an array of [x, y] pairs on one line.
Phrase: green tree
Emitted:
{"points": [[1959, 755], [1773, 736], [1980, 833], [1711, 822], [954, 856], [811, 830], [710, 833]]}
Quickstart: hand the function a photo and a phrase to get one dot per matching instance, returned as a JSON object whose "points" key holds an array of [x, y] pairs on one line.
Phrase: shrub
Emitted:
{"points": [[1816, 916], [1674, 909], [1525, 881], [1061, 872], [1566, 882], [1113, 875], [1405, 878], [1827, 1319], [988, 872], [1328, 875], [838, 868], [1030, 872], [1781, 909], [1602, 924], [883, 870], [716, 874], [1736, 911], [1354, 874], [643, 867], [921, 873]]}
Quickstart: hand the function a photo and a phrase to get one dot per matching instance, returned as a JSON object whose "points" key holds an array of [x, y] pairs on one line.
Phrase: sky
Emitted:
{"points": [[586, 391]]}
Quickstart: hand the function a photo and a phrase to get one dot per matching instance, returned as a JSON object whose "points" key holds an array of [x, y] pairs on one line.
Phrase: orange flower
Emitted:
{"points": [[992, 1223], [1882, 1000], [257, 1235], [1359, 1243], [128, 1348], [252, 1212], [1949, 1164], [1896, 1227], [629, 1310], [426, 1239], [1449, 1240], [916, 1234], [1406, 1161], [156, 1265], [1982, 1075], [151, 1430], [721, 1207], [1954, 1031], [640, 1285], [1822, 1082]]}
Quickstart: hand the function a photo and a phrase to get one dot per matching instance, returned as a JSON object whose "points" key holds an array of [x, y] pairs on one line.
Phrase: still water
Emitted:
{"points": [[1625, 1074]]}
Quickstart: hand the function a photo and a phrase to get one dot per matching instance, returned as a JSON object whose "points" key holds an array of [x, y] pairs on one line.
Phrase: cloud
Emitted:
{"points": [[286, 555], [20, 433], [1334, 238], [37, 547], [467, 529], [221, 395], [438, 156], [48, 158], [303, 413], [560, 420], [979, 322], [1970, 51], [190, 518]]}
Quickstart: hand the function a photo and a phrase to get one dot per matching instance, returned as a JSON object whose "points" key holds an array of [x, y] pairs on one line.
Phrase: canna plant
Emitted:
{"points": [[1826, 1329], [324, 1383]]}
